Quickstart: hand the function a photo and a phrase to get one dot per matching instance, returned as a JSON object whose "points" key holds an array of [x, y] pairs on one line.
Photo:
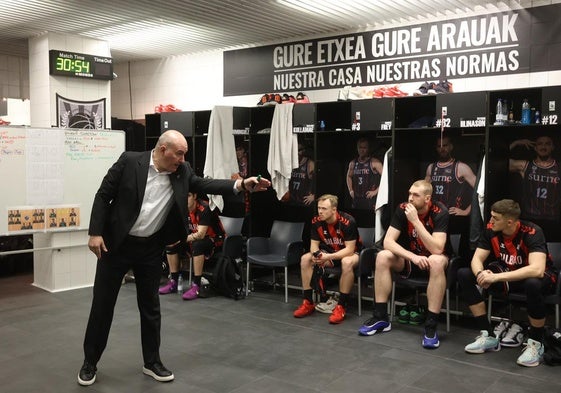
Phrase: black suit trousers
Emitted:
{"points": [[144, 256]]}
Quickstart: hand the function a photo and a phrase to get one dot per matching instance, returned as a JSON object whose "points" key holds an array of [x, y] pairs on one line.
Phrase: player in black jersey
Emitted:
{"points": [[334, 241], [363, 177], [415, 242], [511, 254], [452, 181], [541, 181], [300, 185]]}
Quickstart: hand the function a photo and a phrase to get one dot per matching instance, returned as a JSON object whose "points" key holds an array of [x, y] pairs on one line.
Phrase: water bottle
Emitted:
{"points": [[499, 113], [180, 284], [526, 112], [505, 112], [537, 117]]}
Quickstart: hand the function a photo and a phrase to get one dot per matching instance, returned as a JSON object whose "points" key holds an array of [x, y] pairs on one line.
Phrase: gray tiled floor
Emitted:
{"points": [[252, 345]]}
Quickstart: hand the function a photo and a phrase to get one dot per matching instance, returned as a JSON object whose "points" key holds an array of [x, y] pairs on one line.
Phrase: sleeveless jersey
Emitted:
{"points": [[541, 191], [300, 184], [332, 237], [447, 186], [364, 179], [202, 215]]}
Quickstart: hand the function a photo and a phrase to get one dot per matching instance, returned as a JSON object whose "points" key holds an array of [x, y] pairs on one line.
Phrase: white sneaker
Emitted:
{"points": [[328, 306], [483, 343], [531, 355], [514, 337]]}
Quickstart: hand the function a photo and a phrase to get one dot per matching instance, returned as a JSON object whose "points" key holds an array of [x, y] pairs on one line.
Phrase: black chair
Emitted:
{"points": [[421, 283], [365, 262], [554, 299], [283, 248]]}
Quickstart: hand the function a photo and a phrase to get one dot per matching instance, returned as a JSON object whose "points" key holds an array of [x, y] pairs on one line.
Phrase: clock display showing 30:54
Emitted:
{"points": [[80, 65]]}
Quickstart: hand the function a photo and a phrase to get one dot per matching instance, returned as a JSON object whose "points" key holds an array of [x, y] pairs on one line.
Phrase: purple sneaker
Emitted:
{"points": [[170, 287], [192, 293]]}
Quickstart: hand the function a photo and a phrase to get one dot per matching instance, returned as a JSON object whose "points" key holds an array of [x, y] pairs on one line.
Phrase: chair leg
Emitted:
{"points": [[190, 270], [447, 311], [286, 284], [359, 290], [489, 306], [392, 302], [247, 279]]}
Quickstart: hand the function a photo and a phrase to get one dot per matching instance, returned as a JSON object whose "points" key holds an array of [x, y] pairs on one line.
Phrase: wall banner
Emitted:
{"points": [[80, 114], [520, 41]]}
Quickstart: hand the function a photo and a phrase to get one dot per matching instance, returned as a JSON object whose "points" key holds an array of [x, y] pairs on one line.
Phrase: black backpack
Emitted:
{"points": [[227, 278], [552, 343]]}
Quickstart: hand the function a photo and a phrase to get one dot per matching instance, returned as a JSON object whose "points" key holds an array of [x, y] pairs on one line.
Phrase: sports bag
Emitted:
{"points": [[227, 278]]}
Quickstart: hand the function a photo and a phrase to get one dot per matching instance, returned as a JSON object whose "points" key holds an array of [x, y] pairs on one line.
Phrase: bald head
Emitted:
{"points": [[170, 151]]}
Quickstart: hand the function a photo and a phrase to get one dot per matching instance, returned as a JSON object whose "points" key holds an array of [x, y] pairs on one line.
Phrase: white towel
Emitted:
{"points": [[481, 190], [221, 161], [283, 149], [382, 198]]}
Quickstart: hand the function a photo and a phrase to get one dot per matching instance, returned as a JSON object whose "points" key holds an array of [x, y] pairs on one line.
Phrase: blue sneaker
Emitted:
{"points": [[430, 338], [373, 326]]}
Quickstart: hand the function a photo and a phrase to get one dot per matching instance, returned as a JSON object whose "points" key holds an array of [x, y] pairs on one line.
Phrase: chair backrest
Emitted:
{"points": [[283, 233], [554, 249], [367, 236], [455, 242], [232, 225]]}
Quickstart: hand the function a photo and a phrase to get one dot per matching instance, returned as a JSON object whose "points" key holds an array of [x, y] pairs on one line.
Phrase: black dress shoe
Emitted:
{"points": [[86, 376], [158, 372]]}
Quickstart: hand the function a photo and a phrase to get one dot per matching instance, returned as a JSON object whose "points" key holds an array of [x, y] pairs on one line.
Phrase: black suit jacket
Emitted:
{"points": [[118, 201]]}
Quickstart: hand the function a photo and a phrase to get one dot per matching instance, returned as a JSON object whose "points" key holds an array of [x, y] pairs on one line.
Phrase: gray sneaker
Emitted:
{"points": [[483, 343]]}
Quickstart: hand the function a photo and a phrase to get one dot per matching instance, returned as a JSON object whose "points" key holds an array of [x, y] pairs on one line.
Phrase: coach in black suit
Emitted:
{"points": [[140, 207]]}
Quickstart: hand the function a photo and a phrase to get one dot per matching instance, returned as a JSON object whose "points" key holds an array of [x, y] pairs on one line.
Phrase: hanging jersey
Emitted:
{"points": [[448, 188], [435, 220], [364, 179], [300, 184], [202, 215], [541, 191], [332, 237], [512, 252]]}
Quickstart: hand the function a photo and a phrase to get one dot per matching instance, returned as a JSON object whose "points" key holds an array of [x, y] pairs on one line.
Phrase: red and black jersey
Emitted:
{"points": [[512, 251], [541, 191], [332, 237], [448, 188], [202, 215], [435, 220], [300, 184]]}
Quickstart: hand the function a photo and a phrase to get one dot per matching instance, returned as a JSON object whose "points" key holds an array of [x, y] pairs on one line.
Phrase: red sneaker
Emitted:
{"points": [[305, 309], [338, 314]]}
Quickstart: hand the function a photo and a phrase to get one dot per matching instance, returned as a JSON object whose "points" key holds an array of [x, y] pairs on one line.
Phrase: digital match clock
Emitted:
{"points": [[80, 65]]}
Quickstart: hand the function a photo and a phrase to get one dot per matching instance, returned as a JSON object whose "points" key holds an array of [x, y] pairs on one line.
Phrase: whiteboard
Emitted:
{"points": [[53, 173]]}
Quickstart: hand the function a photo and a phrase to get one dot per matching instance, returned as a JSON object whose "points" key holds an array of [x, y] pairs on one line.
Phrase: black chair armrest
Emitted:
{"points": [[294, 252], [257, 245], [366, 261]]}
